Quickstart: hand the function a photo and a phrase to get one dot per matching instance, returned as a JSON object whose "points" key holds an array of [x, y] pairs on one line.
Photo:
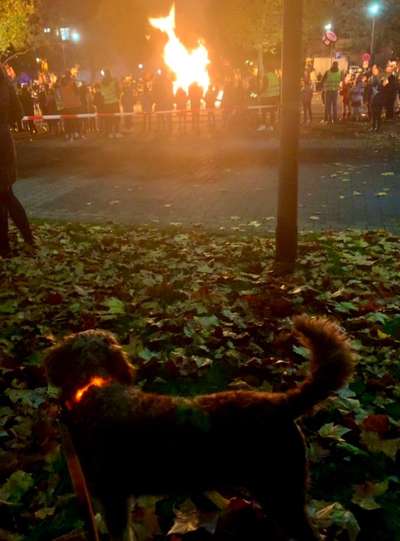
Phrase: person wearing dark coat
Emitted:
{"points": [[10, 112], [28, 108], [390, 93]]}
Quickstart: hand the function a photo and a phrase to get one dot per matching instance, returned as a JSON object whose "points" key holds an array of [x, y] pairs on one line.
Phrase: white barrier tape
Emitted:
{"points": [[39, 118]]}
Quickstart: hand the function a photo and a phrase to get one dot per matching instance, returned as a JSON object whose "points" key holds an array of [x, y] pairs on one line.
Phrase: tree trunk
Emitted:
{"points": [[286, 232]]}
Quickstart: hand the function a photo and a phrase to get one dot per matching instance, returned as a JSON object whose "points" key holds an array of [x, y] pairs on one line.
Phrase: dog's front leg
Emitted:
{"points": [[116, 512]]}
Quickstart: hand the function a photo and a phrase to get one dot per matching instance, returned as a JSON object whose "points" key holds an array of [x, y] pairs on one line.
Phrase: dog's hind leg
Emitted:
{"points": [[116, 516], [290, 515]]}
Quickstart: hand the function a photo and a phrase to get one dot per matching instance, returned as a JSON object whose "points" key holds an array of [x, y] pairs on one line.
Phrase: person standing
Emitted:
{"points": [[331, 84], [270, 97], [210, 99], [111, 94], [390, 91], [306, 98], [28, 108], [377, 104], [356, 98], [195, 97], [10, 112], [72, 104], [346, 87], [127, 103], [181, 99]]}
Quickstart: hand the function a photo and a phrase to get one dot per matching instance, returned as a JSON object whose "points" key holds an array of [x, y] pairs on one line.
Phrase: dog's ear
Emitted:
{"points": [[117, 362], [57, 364]]}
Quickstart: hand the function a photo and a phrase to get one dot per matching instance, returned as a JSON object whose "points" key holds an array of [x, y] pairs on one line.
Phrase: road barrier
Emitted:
{"points": [[41, 118]]}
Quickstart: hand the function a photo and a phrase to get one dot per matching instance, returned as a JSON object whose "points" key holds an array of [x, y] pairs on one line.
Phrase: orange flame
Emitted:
{"points": [[94, 382], [188, 66]]}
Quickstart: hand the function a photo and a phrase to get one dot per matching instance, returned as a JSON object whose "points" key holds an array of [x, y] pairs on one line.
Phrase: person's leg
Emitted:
{"points": [[4, 242], [18, 216], [378, 118], [116, 119], [328, 115], [334, 106]]}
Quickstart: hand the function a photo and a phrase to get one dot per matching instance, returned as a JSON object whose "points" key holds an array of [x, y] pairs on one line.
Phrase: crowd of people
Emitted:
{"points": [[357, 94], [152, 98], [364, 94]]}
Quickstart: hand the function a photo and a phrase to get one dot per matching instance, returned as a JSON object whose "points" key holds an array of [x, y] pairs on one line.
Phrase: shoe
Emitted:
{"points": [[5, 253], [262, 128], [30, 249], [118, 136]]}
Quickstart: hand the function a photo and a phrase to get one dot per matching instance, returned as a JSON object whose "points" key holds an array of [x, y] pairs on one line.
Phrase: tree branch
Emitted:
{"points": [[19, 53]]}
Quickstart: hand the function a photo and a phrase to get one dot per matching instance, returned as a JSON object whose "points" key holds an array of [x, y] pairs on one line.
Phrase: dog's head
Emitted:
{"points": [[85, 357]]}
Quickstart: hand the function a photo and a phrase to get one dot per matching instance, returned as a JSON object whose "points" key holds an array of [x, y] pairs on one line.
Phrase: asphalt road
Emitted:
{"points": [[221, 181]]}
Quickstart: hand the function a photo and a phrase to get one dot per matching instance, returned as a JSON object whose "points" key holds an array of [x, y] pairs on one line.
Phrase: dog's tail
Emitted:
{"points": [[332, 362]]}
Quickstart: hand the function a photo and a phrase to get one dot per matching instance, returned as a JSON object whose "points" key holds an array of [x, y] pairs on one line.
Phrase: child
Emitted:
{"points": [[377, 104], [306, 98], [345, 93], [356, 98]]}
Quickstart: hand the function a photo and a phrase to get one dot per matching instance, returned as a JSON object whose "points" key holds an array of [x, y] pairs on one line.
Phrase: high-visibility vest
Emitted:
{"points": [[332, 81], [109, 92], [273, 86]]}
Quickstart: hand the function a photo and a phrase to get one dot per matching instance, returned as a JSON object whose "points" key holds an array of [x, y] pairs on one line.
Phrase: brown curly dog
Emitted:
{"points": [[132, 443]]}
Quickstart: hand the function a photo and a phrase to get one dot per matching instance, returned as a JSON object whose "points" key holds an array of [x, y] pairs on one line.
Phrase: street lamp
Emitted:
{"points": [[328, 27], [75, 36], [373, 11]]}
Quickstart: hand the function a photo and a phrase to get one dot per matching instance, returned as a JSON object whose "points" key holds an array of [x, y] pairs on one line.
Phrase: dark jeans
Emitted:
{"points": [[331, 99], [307, 109], [111, 123], [376, 117], [9, 205]]}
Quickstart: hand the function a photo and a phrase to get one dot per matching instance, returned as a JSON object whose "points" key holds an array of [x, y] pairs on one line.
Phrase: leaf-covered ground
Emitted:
{"points": [[200, 312]]}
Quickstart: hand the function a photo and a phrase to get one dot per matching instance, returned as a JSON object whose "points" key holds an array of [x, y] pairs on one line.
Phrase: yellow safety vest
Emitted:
{"points": [[109, 92], [273, 86], [332, 81]]}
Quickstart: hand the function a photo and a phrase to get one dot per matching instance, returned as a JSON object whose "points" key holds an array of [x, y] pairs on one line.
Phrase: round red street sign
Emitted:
{"points": [[366, 57], [331, 36]]}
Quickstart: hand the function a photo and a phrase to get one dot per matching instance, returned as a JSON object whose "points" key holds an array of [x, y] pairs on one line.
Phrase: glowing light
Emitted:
{"points": [[328, 27], [75, 36], [374, 9], [140, 66], [94, 382], [188, 66]]}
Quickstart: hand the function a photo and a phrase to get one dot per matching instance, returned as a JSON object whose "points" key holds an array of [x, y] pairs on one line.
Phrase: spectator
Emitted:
{"points": [[390, 92], [72, 104], [356, 98], [346, 87], [211, 98], [127, 103], [28, 108], [306, 98], [195, 96], [181, 100], [270, 96], [98, 103], [111, 95], [10, 112], [164, 100], [331, 84], [147, 102], [377, 104]]}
